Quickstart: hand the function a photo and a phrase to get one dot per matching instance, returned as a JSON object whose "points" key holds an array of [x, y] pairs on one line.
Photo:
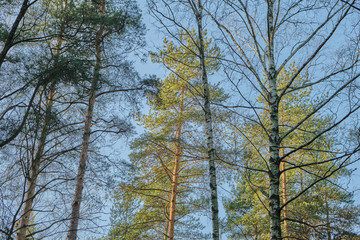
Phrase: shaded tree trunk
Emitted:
{"points": [[35, 163], [274, 173], [75, 211], [34, 168], [10, 38]]}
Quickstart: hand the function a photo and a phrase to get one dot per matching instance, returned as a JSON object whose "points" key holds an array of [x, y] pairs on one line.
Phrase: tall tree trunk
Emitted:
{"points": [[274, 140], [274, 173], [35, 163], [34, 168], [75, 211], [175, 174], [209, 128]]}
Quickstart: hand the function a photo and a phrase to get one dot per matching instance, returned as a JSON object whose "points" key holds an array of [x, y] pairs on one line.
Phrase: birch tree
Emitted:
{"points": [[247, 211], [262, 39], [166, 14], [168, 154]]}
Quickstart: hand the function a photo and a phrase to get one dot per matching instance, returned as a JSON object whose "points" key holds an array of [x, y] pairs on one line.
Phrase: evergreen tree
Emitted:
{"points": [[169, 159], [104, 22]]}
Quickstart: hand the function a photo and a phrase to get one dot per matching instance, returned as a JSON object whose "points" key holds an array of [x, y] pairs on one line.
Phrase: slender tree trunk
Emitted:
{"points": [[174, 186], [209, 128], [328, 229], [175, 174], [35, 163], [303, 226], [75, 211], [284, 194], [274, 174], [34, 168], [7, 46], [274, 140]]}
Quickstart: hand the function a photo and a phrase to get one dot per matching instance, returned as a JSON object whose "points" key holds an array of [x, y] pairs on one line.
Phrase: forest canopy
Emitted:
{"points": [[179, 119]]}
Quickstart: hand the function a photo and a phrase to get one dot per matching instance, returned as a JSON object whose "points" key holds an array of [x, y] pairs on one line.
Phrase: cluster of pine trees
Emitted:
{"points": [[252, 134]]}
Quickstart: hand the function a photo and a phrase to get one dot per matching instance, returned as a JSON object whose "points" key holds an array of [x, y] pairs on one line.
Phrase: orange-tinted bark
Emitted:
{"points": [[175, 173]]}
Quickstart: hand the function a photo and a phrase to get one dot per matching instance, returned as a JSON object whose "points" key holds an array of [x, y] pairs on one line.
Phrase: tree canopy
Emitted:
{"points": [[187, 119]]}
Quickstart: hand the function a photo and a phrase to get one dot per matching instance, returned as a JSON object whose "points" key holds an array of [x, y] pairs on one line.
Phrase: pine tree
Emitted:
{"points": [[169, 162], [121, 26]]}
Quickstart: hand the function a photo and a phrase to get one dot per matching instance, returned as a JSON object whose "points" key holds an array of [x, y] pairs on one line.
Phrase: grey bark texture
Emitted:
{"points": [[274, 139]]}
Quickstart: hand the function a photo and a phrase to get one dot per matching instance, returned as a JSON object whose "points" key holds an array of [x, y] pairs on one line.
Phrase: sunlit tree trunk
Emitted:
{"points": [[328, 229], [175, 174], [208, 127], [75, 211], [274, 140], [284, 193]]}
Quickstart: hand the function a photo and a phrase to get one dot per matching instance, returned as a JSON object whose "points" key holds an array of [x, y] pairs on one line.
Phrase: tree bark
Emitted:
{"points": [[274, 140], [35, 164], [284, 194], [209, 128], [34, 168], [274, 173], [328, 228], [75, 211], [175, 174]]}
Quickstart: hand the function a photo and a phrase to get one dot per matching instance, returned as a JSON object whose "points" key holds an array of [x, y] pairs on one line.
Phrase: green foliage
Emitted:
{"points": [[172, 125], [4, 32], [319, 205]]}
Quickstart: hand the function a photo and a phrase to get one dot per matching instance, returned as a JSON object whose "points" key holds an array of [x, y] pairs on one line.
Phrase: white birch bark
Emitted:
{"points": [[209, 129], [274, 140]]}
